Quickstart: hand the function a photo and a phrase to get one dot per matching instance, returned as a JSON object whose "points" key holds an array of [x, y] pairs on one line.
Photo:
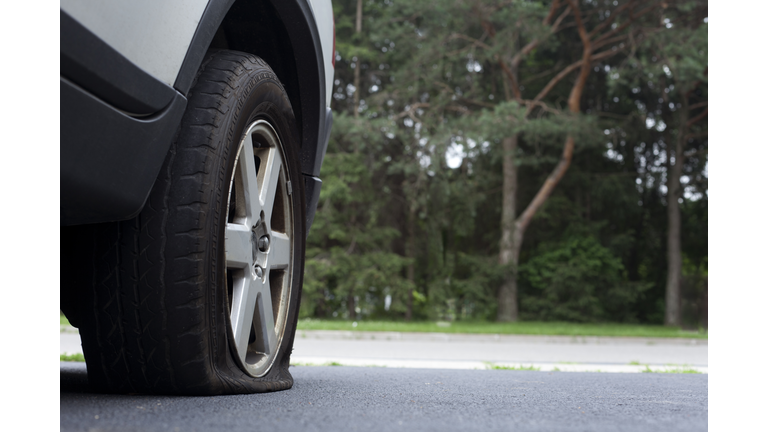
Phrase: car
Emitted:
{"points": [[192, 136]]}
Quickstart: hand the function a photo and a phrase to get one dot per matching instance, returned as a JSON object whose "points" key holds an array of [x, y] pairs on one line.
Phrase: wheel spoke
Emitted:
{"points": [[252, 308], [237, 242], [271, 174], [250, 181], [264, 320], [279, 251], [243, 305]]}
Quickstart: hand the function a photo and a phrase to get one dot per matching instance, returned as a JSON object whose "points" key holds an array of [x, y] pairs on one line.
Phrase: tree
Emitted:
{"points": [[451, 114], [676, 56], [490, 37]]}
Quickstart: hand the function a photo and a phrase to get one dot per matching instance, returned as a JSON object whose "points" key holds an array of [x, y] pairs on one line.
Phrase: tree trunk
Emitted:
{"points": [[672, 315], [411, 253], [351, 304], [508, 249], [510, 246], [358, 29]]}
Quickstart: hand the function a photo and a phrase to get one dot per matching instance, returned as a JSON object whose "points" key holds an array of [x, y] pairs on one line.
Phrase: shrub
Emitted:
{"points": [[578, 280]]}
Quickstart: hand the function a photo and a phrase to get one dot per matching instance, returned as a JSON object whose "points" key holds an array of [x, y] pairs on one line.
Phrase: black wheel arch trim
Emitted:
{"points": [[312, 187], [109, 160], [299, 22]]}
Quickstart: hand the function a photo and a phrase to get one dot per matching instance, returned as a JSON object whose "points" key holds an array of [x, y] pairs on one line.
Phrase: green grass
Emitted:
{"points": [[493, 366], [680, 370], [484, 327], [521, 328], [72, 357]]}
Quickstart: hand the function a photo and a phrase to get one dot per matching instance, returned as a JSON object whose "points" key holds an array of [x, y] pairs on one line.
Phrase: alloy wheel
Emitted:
{"points": [[259, 248]]}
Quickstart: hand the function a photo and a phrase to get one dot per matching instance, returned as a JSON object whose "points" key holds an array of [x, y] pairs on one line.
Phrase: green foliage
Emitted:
{"points": [[410, 206], [578, 280], [468, 289]]}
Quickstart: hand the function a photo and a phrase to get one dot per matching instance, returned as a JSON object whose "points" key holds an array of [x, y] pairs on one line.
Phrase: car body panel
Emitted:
{"points": [[95, 66], [323, 11], [158, 45], [126, 98]]}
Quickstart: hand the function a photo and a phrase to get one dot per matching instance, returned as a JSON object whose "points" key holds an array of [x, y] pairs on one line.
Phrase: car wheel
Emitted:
{"points": [[199, 294]]}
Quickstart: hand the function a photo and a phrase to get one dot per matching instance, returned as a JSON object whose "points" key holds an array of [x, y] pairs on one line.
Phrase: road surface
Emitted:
{"points": [[385, 399]]}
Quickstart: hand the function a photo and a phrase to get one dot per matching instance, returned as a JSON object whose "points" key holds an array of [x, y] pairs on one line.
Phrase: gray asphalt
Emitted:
{"points": [[383, 399]]}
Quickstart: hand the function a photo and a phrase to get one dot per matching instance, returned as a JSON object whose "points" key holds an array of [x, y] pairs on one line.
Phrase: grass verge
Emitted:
{"points": [[494, 366], [72, 357], [520, 328], [484, 327], [678, 370]]}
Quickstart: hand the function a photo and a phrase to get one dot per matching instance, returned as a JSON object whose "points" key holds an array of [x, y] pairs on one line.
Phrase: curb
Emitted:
{"points": [[66, 328], [299, 361], [465, 337]]}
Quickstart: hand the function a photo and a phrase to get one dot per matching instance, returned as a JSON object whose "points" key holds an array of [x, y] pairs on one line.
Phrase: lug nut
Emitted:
{"points": [[264, 243], [259, 271]]}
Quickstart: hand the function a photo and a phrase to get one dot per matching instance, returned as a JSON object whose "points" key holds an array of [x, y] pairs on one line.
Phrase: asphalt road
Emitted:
{"points": [[385, 399]]}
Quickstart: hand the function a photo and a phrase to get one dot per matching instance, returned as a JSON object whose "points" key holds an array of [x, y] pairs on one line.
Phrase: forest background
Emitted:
{"points": [[515, 160]]}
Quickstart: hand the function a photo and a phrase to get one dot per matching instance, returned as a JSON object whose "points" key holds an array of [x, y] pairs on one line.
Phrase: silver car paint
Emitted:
{"points": [[153, 34], [323, 11]]}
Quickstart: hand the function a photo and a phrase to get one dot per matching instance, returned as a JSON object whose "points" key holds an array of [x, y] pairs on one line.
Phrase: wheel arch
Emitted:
{"points": [[283, 33]]}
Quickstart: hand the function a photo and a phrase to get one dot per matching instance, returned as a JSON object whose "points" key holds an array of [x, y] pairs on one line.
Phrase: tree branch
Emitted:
{"points": [[698, 105], [410, 110], [697, 118], [534, 43], [605, 42], [575, 97], [532, 78], [552, 10], [610, 19], [546, 189], [570, 68], [530, 46], [475, 42], [556, 26], [574, 105], [697, 135], [632, 18], [511, 77]]}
